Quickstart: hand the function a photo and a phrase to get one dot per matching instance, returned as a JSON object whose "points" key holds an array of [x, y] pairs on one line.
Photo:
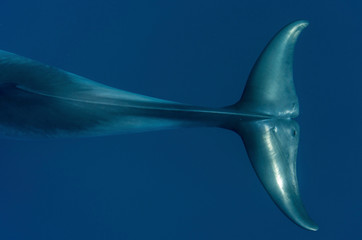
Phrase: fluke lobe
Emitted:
{"points": [[37, 100]]}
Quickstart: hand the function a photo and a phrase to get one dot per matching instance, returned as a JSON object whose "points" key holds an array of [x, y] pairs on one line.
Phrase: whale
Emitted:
{"points": [[41, 101]]}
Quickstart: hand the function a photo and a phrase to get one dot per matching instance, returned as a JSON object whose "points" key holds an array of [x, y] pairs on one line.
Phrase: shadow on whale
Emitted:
{"points": [[37, 100]]}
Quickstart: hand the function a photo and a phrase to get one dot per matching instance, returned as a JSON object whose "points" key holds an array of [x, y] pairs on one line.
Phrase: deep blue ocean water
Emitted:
{"points": [[185, 183]]}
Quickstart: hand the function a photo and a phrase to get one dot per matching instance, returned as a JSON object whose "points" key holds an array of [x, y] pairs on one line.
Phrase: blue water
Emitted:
{"points": [[193, 183]]}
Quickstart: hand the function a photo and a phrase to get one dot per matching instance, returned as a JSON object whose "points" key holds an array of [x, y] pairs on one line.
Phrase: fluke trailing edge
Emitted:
{"points": [[39, 100]]}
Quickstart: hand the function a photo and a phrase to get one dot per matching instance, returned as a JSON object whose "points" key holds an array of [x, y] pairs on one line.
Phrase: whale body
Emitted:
{"points": [[38, 100]]}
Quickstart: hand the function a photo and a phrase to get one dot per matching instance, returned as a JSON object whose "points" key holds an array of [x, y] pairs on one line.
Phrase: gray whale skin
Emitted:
{"points": [[37, 100]]}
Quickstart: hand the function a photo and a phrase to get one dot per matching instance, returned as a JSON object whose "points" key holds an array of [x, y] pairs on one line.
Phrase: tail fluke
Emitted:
{"points": [[272, 146], [272, 140], [270, 87]]}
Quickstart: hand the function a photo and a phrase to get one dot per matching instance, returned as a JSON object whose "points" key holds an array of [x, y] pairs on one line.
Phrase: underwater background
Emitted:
{"points": [[185, 183]]}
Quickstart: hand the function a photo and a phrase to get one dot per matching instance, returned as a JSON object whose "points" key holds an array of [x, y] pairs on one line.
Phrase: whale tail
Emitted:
{"points": [[272, 140]]}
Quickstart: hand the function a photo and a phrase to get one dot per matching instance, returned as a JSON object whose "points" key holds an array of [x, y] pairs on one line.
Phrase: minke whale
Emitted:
{"points": [[38, 100]]}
